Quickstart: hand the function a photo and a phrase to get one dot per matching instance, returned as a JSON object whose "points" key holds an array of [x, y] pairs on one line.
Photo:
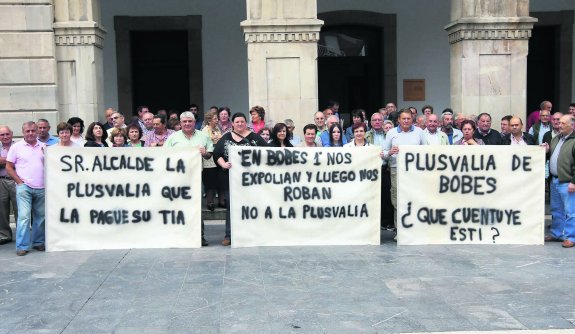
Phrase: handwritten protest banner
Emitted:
{"points": [[116, 198], [307, 196], [470, 195]]}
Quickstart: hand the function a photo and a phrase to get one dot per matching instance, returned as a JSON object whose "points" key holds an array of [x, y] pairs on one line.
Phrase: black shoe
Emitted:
{"points": [[5, 241], [40, 248], [222, 205], [211, 206], [204, 242]]}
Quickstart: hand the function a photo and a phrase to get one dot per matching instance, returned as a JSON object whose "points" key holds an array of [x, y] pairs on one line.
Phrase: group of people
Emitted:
{"points": [[22, 162]]}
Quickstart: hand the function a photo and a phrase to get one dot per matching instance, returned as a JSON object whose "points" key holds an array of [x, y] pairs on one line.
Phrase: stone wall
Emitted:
{"points": [[28, 75]]}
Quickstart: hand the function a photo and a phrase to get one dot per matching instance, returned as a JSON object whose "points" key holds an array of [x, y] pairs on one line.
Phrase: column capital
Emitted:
{"points": [[494, 28], [282, 30]]}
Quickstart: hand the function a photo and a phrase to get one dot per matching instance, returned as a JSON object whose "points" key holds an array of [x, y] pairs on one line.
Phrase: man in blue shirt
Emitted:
{"points": [[44, 135]]}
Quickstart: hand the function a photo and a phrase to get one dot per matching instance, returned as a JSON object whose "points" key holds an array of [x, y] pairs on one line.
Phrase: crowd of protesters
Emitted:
{"points": [[22, 162]]}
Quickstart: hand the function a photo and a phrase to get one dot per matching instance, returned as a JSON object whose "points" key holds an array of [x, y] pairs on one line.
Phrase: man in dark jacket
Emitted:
{"points": [[516, 136], [555, 130], [485, 132]]}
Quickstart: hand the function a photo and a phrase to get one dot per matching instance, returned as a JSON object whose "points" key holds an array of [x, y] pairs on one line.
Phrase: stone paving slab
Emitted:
{"points": [[328, 289]]}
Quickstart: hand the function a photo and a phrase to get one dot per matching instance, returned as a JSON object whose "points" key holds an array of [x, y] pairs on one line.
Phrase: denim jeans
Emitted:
{"points": [[31, 209], [562, 211]]}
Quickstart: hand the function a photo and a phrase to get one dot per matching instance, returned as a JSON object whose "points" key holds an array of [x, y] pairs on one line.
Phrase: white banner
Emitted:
{"points": [[471, 195], [119, 198], [305, 196]]}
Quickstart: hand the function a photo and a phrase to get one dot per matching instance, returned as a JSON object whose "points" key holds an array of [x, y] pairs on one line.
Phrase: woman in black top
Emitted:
{"points": [[279, 136], [96, 136], [239, 136]]}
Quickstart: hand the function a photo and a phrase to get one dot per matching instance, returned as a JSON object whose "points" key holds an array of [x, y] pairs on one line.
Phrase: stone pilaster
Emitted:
{"points": [[79, 39], [489, 46], [28, 88], [281, 39]]}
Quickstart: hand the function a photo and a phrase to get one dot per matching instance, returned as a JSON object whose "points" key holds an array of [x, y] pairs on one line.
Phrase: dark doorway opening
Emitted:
{"points": [[349, 68], [542, 67], [160, 69]]}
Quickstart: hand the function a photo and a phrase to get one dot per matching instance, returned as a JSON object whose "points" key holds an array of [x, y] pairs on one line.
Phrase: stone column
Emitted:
{"points": [[79, 40], [27, 63], [282, 37], [489, 46]]}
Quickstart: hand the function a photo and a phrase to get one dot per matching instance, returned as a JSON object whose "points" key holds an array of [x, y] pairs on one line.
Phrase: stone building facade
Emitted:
{"points": [[52, 60]]}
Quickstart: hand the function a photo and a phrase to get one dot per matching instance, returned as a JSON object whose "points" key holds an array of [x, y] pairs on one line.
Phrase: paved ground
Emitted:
{"points": [[346, 289]]}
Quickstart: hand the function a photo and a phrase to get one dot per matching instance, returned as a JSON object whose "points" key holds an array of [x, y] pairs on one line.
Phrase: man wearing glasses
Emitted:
{"points": [[118, 123], [534, 116], [108, 116], [542, 126]]}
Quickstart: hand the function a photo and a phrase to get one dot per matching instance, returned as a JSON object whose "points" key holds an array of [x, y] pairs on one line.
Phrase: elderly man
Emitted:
{"points": [[189, 137], [7, 187], [542, 126], [405, 134], [160, 134], [142, 110], [148, 119], [555, 128], [484, 131], [453, 134], [459, 118], [562, 189], [119, 123], [431, 134], [516, 135], [44, 133], [294, 139], [108, 117], [534, 115], [376, 137], [420, 121], [25, 165]]}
